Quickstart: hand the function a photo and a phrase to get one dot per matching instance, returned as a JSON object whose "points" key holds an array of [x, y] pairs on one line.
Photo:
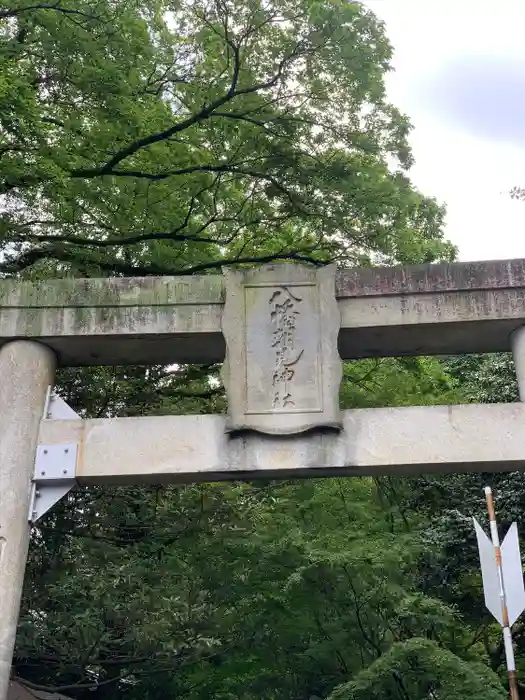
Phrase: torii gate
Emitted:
{"points": [[282, 331]]}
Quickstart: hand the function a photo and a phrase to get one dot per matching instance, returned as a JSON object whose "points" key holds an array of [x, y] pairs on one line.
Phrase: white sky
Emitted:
{"points": [[436, 43]]}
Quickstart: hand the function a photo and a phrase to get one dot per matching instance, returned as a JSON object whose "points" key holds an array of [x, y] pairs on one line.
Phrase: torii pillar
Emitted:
{"points": [[26, 373]]}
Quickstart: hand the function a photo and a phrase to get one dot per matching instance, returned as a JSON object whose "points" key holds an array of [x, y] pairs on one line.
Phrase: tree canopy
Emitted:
{"points": [[175, 137]]}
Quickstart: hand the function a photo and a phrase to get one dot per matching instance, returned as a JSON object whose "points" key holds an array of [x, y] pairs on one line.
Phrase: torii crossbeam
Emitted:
{"points": [[282, 332]]}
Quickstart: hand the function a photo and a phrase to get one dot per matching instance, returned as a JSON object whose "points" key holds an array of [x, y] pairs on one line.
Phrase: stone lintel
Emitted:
{"points": [[382, 441], [448, 308], [112, 321], [431, 278], [415, 310]]}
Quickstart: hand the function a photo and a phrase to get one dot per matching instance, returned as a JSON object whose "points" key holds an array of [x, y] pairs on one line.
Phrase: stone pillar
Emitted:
{"points": [[26, 371], [517, 340]]}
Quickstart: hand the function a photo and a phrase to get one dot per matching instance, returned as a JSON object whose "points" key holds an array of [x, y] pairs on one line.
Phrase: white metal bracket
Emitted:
{"points": [[55, 465], [57, 409]]}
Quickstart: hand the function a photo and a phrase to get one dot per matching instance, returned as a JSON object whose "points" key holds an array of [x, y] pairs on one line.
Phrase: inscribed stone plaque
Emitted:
{"points": [[282, 369]]}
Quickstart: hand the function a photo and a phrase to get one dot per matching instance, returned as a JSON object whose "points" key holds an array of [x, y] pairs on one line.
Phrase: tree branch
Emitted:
{"points": [[4, 14], [93, 685], [25, 260], [201, 115]]}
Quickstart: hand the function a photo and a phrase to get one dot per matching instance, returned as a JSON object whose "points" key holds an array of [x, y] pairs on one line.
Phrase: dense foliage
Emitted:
{"points": [[336, 588], [174, 137], [179, 136]]}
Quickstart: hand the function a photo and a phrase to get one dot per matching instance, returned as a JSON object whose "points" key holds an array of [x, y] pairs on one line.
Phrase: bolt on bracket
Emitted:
{"points": [[55, 465]]}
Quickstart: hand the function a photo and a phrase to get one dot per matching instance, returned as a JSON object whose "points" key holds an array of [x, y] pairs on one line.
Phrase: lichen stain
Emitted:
{"points": [[112, 292]]}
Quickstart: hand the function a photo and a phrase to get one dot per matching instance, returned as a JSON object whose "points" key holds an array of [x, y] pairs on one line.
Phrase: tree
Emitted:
{"points": [[284, 590], [181, 136], [517, 193], [449, 567], [420, 669]]}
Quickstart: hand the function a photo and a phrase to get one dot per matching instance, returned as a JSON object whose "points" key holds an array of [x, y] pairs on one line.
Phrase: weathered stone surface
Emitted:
{"points": [[424, 279], [430, 324], [389, 441], [282, 370], [430, 309], [112, 292], [26, 372], [128, 321], [427, 309]]}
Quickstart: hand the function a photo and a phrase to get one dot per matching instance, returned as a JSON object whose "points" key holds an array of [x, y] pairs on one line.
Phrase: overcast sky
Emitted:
{"points": [[460, 77]]}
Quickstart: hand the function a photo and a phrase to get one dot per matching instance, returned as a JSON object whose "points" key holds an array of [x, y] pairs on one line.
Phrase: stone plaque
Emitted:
{"points": [[282, 370]]}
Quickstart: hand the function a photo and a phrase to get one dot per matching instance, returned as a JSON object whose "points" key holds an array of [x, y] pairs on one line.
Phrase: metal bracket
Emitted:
{"points": [[55, 465], [57, 409]]}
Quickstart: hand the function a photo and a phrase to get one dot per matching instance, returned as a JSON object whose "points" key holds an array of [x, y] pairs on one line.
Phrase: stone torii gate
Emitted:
{"points": [[282, 332]]}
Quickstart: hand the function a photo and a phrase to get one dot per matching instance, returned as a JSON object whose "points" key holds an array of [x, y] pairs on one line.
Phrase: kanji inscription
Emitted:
{"points": [[285, 307]]}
